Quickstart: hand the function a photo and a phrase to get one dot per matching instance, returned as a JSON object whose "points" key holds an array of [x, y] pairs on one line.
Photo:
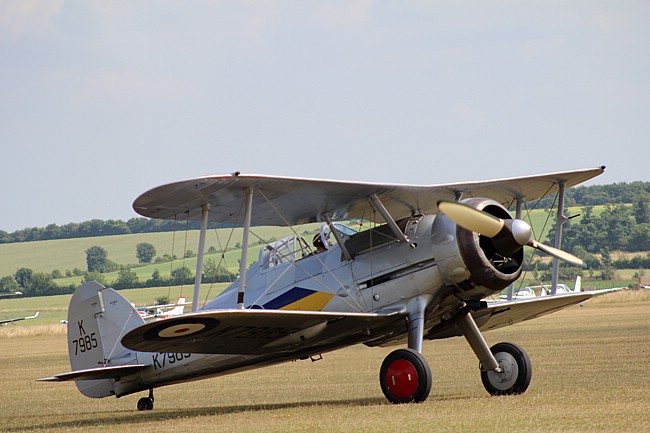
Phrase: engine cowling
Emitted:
{"points": [[472, 263]]}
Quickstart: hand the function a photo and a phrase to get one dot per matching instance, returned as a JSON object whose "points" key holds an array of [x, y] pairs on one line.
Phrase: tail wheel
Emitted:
{"points": [[516, 370], [145, 403], [405, 377]]}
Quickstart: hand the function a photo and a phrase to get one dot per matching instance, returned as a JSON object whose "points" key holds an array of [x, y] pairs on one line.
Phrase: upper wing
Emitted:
{"points": [[258, 332], [303, 200]]}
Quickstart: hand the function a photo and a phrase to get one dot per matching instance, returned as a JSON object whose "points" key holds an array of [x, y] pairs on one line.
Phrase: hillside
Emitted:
{"points": [[68, 254]]}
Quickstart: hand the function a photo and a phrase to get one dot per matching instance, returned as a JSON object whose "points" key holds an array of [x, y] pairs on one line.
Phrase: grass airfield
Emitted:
{"points": [[591, 369]]}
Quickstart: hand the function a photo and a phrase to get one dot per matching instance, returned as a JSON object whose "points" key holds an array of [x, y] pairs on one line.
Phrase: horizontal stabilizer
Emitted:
{"points": [[96, 373]]}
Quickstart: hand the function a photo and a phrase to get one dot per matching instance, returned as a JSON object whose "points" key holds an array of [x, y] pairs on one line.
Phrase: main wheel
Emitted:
{"points": [[145, 403], [516, 371], [405, 377]]}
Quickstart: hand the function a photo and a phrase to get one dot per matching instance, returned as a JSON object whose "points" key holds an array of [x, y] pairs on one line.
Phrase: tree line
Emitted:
{"points": [[97, 227]]}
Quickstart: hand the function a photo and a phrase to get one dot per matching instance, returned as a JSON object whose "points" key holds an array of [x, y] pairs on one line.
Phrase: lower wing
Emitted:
{"points": [[260, 332]]}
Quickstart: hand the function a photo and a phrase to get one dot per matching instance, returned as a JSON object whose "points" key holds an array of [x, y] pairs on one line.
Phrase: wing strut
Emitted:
{"points": [[379, 207], [205, 210], [561, 219], [244, 247], [335, 233]]}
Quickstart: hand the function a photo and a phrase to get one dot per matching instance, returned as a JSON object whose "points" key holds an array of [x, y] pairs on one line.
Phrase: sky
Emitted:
{"points": [[103, 100]]}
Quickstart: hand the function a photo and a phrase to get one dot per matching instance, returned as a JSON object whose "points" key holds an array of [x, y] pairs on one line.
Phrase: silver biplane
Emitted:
{"points": [[419, 274]]}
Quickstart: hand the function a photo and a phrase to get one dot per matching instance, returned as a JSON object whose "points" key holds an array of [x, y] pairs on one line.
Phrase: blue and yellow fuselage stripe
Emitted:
{"points": [[299, 298]]}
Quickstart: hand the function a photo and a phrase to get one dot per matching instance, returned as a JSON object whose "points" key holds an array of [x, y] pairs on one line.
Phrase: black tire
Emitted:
{"points": [[517, 370], [145, 403], [405, 377]]}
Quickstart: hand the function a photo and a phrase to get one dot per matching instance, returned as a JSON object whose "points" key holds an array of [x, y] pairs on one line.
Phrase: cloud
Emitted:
{"points": [[25, 18]]}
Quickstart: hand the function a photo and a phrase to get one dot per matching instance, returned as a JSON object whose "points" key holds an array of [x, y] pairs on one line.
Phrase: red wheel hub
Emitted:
{"points": [[402, 378]]}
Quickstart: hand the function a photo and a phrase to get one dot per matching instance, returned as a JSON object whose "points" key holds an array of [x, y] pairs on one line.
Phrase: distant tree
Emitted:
{"points": [[145, 252], [212, 250], [212, 273], [96, 259], [642, 209], [23, 277], [8, 284], [163, 300], [57, 274], [42, 285], [95, 276], [639, 239], [606, 267], [156, 279], [126, 279], [181, 275], [189, 254]]}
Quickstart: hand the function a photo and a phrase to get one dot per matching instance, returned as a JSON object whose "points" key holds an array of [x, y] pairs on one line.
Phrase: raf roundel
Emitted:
{"points": [[180, 328]]}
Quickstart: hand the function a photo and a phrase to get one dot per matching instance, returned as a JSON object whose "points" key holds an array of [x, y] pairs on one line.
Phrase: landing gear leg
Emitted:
{"points": [[505, 367], [405, 375], [146, 403]]}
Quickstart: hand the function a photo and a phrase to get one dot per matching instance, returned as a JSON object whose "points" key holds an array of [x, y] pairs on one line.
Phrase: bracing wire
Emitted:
{"points": [[357, 307]]}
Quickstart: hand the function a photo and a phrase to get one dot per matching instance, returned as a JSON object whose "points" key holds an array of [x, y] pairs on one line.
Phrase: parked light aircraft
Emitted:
{"points": [[561, 289], [17, 319], [162, 311], [420, 274]]}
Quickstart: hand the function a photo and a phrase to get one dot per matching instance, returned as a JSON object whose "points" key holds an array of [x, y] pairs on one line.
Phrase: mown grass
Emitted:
{"points": [[590, 374]]}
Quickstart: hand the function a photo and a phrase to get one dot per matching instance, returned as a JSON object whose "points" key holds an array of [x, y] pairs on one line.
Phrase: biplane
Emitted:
{"points": [[418, 272]]}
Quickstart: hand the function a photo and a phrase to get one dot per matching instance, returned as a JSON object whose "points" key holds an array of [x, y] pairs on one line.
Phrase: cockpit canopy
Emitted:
{"points": [[285, 250], [295, 247]]}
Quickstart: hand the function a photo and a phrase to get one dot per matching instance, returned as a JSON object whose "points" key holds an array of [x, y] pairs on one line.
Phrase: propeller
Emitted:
{"points": [[507, 235]]}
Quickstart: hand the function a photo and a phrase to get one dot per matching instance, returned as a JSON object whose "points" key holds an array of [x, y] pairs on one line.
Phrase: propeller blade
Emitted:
{"points": [[562, 255], [471, 219], [488, 225]]}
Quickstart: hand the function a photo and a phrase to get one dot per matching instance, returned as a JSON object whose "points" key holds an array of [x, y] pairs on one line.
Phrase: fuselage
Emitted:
{"points": [[383, 275]]}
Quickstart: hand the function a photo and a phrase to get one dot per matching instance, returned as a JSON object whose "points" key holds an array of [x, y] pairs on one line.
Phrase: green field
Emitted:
{"points": [[46, 256], [68, 254], [53, 309], [590, 374]]}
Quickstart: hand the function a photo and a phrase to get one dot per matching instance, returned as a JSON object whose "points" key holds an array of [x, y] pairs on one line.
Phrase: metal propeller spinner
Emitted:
{"points": [[507, 235]]}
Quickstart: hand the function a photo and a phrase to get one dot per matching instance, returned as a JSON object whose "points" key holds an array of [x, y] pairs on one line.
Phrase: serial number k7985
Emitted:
{"points": [[85, 343]]}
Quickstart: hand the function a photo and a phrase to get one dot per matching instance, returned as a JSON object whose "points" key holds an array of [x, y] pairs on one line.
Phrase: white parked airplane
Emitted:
{"points": [[17, 319], [420, 274], [162, 311]]}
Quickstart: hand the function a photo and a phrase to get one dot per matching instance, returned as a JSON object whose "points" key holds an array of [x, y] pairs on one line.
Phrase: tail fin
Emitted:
{"points": [[578, 287], [177, 310], [98, 317]]}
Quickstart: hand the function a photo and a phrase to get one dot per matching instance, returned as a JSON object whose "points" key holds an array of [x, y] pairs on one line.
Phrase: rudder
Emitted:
{"points": [[98, 317]]}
